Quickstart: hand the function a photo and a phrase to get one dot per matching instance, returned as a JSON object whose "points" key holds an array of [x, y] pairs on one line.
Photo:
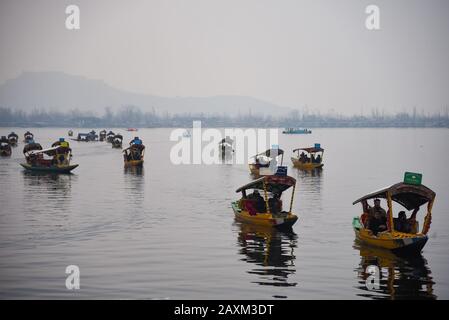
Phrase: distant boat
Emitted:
{"points": [[296, 131], [132, 129], [186, 134]]}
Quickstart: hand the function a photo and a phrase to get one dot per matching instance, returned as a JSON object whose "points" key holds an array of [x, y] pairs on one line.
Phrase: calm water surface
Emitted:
{"points": [[168, 232]]}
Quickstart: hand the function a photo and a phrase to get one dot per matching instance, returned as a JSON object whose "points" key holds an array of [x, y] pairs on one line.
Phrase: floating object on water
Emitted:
{"points": [[59, 162], [266, 163], [296, 131], [87, 137], [13, 139], [28, 137], [133, 155], [110, 136], [263, 211], [117, 141], [5, 147], [132, 129], [411, 194], [310, 158], [186, 134], [103, 135], [70, 133]]}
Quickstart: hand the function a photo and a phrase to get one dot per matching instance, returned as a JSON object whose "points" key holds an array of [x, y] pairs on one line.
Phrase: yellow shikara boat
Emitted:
{"points": [[59, 162], [265, 163], [411, 194], [133, 155], [310, 158], [264, 211]]}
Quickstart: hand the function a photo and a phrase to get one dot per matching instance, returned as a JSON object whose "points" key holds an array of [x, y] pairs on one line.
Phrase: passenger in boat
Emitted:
{"points": [[259, 202], [318, 159], [275, 204], [377, 208], [402, 224], [313, 159], [303, 157], [378, 223]]}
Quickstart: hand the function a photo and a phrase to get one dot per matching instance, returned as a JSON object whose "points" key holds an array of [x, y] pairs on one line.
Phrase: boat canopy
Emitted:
{"points": [[49, 151], [407, 195], [310, 150], [118, 136], [270, 152], [32, 147], [274, 184]]}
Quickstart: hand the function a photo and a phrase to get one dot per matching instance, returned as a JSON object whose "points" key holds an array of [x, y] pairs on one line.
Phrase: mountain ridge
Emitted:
{"points": [[62, 91]]}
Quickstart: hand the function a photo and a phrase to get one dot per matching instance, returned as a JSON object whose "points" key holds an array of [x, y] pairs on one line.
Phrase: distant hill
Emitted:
{"points": [[57, 90]]}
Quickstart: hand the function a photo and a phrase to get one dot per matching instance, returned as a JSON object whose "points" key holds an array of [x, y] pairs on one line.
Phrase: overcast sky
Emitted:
{"points": [[289, 52]]}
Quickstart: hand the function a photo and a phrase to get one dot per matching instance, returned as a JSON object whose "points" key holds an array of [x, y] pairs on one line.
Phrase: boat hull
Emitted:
{"points": [[306, 166], [54, 169], [134, 163], [260, 171], [397, 242], [264, 219]]}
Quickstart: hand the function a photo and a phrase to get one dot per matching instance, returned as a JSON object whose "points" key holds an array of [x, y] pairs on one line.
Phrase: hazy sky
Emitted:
{"points": [[290, 52]]}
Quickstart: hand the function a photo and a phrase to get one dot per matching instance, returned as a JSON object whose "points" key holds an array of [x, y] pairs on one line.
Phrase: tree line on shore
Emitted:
{"points": [[131, 116]]}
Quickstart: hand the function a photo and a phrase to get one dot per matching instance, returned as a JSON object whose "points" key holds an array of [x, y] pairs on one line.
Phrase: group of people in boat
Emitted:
{"points": [[5, 147], [60, 156], [135, 150], [374, 218], [255, 203], [306, 159]]}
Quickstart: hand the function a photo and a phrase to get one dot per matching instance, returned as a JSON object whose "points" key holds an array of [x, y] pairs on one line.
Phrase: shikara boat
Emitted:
{"points": [[110, 136], [267, 210], [28, 137], [132, 129], [410, 194], [5, 147], [103, 134], [296, 131], [13, 139], [86, 137], [310, 158], [266, 163], [117, 141], [133, 155], [59, 161], [226, 148]]}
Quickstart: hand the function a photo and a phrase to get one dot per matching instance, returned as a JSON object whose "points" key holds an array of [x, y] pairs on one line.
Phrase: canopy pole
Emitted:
{"points": [[428, 217], [293, 195], [390, 213], [266, 197]]}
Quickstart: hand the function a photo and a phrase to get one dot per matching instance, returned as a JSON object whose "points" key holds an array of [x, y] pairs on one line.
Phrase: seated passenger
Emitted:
{"points": [[318, 159], [378, 223], [401, 224], [275, 204]]}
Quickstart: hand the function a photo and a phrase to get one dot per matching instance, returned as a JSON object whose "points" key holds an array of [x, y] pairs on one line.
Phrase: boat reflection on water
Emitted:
{"points": [[134, 170], [55, 188], [399, 277], [271, 250], [53, 182]]}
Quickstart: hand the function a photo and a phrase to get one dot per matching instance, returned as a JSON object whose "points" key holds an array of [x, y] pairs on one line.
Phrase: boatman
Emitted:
{"points": [[136, 140], [61, 142]]}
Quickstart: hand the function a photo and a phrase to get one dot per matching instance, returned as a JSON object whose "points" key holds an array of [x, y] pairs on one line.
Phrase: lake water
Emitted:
{"points": [[168, 232]]}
